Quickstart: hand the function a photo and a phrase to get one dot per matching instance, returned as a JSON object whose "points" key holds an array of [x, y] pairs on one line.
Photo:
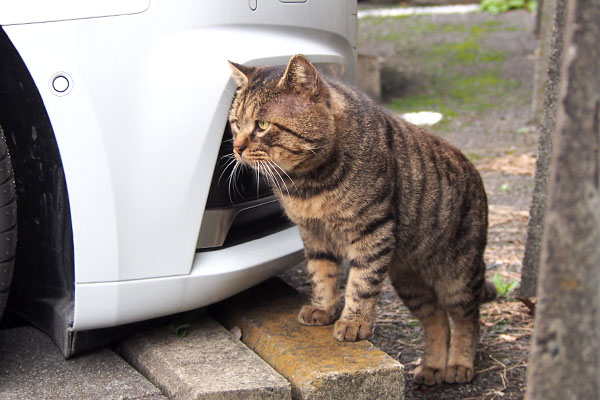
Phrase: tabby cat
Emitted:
{"points": [[369, 188]]}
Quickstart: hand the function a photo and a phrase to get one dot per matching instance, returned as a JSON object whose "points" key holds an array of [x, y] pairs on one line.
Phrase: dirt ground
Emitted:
{"points": [[477, 70]]}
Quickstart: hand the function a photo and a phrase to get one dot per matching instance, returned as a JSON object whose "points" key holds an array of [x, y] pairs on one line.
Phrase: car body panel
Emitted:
{"points": [[215, 275], [139, 128], [139, 138], [36, 11]]}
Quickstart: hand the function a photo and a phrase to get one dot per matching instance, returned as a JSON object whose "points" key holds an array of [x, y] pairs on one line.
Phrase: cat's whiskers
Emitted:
{"points": [[227, 156], [264, 170], [312, 149], [286, 174], [273, 169], [231, 179], [256, 165], [239, 171], [269, 175], [309, 149], [231, 161], [274, 179]]}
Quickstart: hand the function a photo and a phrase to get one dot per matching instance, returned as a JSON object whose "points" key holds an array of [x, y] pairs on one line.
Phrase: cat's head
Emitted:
{"points": [[281, 115]]}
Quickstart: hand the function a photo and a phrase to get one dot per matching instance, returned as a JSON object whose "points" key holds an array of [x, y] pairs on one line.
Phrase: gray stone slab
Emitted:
{"points": [[32, 367], [208, 363]]}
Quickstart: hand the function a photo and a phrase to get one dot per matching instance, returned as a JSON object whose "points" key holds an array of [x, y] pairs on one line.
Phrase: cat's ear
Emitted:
{"points": [[240, 73], [300, 75]]}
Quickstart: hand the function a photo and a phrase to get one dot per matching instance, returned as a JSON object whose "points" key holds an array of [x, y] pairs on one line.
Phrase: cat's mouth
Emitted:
{"points": [[251, 156], [268, 169]]}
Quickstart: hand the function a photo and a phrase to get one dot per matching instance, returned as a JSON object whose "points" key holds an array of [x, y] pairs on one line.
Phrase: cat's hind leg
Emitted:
{"points": [[421, 301], [437, 333], [463, 345], [462, 303]]}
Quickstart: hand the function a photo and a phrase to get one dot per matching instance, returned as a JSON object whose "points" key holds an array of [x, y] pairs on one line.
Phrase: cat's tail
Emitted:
{"points": [[489, 292]]}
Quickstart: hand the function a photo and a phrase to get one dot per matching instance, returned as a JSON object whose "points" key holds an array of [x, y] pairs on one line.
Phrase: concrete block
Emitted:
{"points": [[317, 365], [208, 363], [368, 75], [32, 368]]}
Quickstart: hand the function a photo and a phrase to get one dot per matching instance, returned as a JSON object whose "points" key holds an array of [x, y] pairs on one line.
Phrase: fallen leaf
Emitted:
{"points": [[508, 338], [415, 362]]}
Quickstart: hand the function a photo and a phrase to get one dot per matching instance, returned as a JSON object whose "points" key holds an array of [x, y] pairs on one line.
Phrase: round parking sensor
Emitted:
{"points": [[61, 84]]}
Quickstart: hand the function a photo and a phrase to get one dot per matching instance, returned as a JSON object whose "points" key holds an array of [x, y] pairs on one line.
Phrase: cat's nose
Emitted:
{"points": [[239, 148]]}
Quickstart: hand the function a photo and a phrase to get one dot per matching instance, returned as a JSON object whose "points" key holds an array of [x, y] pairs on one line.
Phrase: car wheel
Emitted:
{"points": [[8, 222]]}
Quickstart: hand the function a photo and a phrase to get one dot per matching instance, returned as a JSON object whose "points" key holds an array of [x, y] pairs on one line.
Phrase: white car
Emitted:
{"points": [[115, 119]]}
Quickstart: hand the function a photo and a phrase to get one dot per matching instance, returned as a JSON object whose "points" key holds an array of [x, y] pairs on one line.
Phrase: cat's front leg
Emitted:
{"points": [[368, 267], [323, 270]]}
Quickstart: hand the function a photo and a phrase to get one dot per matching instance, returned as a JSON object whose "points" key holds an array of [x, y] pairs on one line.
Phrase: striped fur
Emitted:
{"points": [[369, 188]]}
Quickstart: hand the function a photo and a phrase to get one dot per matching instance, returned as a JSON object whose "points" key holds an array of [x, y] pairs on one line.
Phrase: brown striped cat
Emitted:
{"points": [[369, 188]]}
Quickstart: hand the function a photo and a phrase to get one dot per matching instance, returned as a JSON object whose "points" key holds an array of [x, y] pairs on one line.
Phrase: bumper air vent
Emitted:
{"points": [[239, 208]]}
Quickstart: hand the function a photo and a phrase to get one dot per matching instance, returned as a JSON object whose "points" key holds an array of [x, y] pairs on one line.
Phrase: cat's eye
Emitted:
{"points": [[262, 125], [237, 123]]}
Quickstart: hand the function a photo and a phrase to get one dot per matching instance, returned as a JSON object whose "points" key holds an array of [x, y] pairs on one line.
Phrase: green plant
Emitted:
{"points": [[474, 157], [179, 328], [413, 323], [504, 288], [499, 6]]}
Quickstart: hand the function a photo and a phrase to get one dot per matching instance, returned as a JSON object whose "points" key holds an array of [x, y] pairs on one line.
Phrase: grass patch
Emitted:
{"points": [[413, 323], [474, 157], [499, 6], [422, 102], [484, 27], [432, 28], [371, 21], [453, 95], [456, 77], [374, 20], [474, 91], [466, 52]]}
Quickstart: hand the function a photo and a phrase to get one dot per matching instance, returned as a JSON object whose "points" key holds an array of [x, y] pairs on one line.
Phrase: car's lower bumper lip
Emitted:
{"points": [[215, 275], [217, 221]]}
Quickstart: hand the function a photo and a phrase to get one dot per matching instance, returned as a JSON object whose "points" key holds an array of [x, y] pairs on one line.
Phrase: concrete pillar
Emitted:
{"points": [[368, 75]]}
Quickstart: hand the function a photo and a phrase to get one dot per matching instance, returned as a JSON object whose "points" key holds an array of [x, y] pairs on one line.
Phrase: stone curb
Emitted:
{"points": [[317, 365], [33, 368], [207, 363]]}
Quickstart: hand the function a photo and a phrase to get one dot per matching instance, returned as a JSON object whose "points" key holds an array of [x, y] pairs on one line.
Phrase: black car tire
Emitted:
{"points": [[8, 223]]}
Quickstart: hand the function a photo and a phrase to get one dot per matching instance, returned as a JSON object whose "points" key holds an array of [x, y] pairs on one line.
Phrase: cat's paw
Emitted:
{"points": [[459, 374], [350, 331], [428, 376], [311, 315]]}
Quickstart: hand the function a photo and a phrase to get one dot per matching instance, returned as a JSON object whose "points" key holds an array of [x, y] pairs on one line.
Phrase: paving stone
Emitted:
{"points": [[207, 363], [32, 368], [317, 365]]}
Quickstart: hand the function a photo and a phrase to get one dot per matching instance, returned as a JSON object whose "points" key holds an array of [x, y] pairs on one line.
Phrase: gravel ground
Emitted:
{"points": [[477, 70]]}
